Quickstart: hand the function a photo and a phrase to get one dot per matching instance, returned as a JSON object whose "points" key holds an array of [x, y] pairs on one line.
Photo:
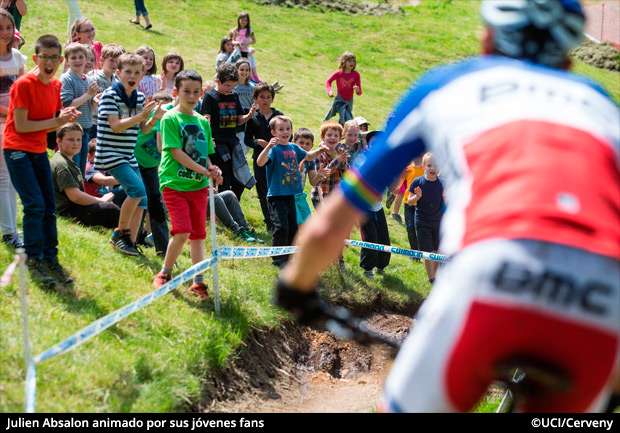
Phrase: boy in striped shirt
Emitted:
{"points": [[122, 112]]}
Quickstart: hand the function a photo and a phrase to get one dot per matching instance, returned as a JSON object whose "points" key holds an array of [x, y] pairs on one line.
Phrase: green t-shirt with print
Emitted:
{"points": [[146, 151], [192, 134]]}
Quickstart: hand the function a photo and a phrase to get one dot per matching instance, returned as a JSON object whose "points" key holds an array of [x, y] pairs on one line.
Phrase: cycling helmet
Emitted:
{"points": [[542, 31]]}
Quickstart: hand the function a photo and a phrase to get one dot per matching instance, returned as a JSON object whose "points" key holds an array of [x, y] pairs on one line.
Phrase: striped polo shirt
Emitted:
{"points": [[114, 150]]}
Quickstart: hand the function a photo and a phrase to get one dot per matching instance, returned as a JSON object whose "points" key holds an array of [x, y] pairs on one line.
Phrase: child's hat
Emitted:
{"points": [[361, 121]]}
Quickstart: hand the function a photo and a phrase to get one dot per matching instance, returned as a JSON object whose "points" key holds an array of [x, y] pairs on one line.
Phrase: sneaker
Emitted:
{"points": [[275, 83], [398, 218], [369, 275], [380, 271], [122, 242], [278, 88], [145, 239], [432, 281], [12, 240], [161, 279], [200, 290], [389, 200], [58, 271], [245, 236], [39, 274]]}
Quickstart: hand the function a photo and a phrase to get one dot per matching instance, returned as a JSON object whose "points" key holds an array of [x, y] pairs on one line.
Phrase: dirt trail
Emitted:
{"points": [[303, 370]]}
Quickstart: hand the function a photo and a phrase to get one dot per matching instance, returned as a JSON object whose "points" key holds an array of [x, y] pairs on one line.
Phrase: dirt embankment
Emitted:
{"points": [[603, 56], [379, 8], [295, 369]]}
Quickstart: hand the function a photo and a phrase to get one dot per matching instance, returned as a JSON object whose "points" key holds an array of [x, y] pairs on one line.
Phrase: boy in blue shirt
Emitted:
{"points": [[282, 159], [426, 193]]}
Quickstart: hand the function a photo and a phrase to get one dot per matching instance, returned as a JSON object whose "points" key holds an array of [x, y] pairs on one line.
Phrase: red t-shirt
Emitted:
{"points": [[42, 102]]}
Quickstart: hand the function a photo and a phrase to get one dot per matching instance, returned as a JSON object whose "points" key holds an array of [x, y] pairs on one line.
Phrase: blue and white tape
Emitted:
{"points": [[396, 250], [253, 252], [105, 322], [31, 387]]}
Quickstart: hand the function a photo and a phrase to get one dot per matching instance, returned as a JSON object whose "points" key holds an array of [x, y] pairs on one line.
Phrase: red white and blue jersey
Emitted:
{"points": [[527, 152]]}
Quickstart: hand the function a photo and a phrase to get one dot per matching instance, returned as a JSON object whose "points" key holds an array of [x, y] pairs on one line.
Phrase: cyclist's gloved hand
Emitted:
{"points": [[306, 307]]}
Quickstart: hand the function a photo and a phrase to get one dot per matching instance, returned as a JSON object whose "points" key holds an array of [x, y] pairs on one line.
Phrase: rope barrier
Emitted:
{"points": [[111, 319]]}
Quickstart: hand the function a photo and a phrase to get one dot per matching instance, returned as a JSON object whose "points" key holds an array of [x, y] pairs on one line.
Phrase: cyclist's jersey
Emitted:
{"points": [[526, 152]]}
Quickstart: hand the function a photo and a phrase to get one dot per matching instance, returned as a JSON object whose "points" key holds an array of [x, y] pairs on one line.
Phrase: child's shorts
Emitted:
{"points": [[427, 233], [132, 183], [302, 207], [187, 211], [403, 187]]}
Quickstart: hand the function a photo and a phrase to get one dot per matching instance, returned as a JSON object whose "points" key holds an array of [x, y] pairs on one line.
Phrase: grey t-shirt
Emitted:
{"points": [[103, 82], [74, 86]]}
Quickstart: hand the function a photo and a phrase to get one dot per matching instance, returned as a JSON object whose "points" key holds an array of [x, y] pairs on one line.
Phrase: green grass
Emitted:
{"points": [[160, 358]]}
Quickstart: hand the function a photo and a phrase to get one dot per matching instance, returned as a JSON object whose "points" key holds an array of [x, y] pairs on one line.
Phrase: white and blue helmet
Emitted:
{"points": [[542, 31]]}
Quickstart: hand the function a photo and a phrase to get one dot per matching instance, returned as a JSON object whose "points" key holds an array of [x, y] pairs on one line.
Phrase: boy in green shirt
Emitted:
{"points": [[184, 175], [148, 156]]}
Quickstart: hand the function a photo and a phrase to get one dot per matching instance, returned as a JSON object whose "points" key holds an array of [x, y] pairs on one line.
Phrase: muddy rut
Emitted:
{"points": [[296, 369]]}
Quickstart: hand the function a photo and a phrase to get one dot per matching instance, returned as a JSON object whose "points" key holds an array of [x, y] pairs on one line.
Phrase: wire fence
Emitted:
{"points": [[602, 22]]}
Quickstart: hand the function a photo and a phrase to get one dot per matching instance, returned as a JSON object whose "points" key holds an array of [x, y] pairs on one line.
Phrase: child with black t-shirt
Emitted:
{"points": [[426, 193], [224, 112]]}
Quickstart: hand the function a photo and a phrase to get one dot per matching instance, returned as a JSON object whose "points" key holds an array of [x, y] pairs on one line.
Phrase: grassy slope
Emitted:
{"points": [[156, 359]]}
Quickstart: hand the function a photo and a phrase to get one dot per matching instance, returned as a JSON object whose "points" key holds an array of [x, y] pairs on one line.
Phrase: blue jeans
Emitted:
{"points": [[32, 178], [228, 211], [132, 183], [140, 8], [80, 158]]}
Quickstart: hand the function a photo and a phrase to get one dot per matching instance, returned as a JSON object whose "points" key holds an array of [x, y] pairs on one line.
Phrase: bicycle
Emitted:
{"points": [[524, 379]]}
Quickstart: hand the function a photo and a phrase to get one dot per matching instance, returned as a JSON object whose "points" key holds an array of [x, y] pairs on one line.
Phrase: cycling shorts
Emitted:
{"points": [[499, 301]]}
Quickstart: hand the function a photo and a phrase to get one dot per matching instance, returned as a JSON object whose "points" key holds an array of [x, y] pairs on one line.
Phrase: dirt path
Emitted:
{"points": [[318, 374]]}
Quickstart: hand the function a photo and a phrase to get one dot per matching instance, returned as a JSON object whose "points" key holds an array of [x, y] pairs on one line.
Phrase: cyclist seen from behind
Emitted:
{"points": [[530, 156]]}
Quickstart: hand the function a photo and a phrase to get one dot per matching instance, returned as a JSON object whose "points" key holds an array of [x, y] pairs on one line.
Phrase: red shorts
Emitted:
{"points": [[188, 211]]}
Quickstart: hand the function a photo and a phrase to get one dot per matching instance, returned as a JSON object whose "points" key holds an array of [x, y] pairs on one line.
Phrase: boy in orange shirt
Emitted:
{"points": [[34, 100]]}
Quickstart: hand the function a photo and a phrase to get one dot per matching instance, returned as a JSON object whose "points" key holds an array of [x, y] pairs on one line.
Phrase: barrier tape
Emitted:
{"points": [[400, 251], [102, 324], [7, 276], [253, 252], [105, 322], [31, 387], [111, 319]]}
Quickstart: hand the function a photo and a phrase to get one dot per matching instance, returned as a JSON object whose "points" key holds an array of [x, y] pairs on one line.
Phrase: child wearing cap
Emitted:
{"points": [[363, 124]]}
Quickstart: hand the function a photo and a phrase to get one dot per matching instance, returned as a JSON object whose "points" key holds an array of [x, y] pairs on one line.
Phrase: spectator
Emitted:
{"points": [[17, 9], [33, 104], [141, 11], [10, 70], [71, 200]]}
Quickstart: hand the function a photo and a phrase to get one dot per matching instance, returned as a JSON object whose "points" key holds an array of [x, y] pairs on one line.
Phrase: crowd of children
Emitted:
{"points": [[137, 149]]}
